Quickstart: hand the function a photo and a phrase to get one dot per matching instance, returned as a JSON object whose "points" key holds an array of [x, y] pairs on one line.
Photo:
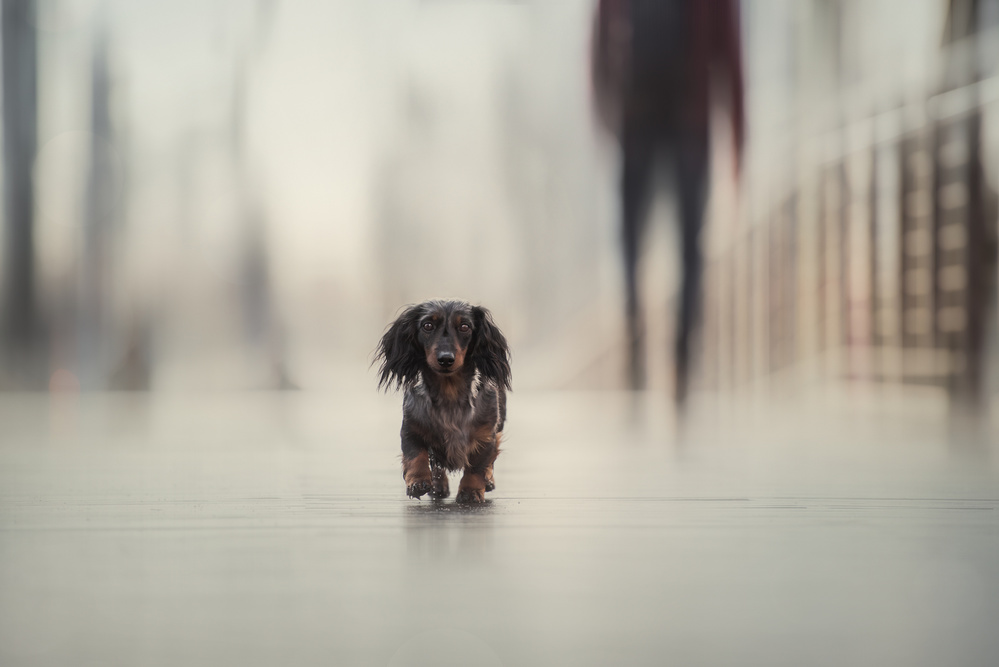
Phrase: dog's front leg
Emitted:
{"points": [[439, 487], [478, 473], [415, 464], [472, 487]]}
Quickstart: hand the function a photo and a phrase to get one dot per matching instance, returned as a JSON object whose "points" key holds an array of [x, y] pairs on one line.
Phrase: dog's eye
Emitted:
{"points": [[428, 326], [464, 328]]}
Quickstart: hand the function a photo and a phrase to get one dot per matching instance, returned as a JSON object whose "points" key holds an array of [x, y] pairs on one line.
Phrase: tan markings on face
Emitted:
{"points": [[457, 348]]}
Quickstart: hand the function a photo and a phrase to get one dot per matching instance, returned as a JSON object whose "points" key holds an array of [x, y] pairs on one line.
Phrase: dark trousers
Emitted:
{"points": [[643, 146]]}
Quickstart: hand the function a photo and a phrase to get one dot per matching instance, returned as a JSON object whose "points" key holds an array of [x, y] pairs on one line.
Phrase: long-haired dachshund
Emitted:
{"points": [[454, 364]]}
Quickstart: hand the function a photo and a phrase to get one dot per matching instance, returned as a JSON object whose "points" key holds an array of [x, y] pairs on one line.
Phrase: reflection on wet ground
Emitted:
{"points": [[263, 529]]}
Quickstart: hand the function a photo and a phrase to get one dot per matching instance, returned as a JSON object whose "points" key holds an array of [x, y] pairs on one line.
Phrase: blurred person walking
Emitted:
{"points": [[657, 68]]}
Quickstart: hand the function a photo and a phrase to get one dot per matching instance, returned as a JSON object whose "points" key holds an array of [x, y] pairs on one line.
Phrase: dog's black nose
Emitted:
{"points": [[445, 359]]}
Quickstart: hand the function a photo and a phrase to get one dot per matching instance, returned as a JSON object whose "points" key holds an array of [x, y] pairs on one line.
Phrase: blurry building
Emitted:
{"points": [[864, 249]]}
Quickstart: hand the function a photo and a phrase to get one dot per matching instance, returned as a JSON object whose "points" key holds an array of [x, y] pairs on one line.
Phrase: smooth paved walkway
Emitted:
{"points": [[263, 529]]}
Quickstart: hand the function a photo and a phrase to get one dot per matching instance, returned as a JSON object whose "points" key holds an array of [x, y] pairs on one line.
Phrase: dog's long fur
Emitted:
{"points": [[454, 365]]}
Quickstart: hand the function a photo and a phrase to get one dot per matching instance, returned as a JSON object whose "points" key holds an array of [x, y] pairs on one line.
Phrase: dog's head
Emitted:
{"points": [[445, 338]]}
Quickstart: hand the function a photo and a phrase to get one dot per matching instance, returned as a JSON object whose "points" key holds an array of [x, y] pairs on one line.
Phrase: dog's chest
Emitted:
{"points": [[452, 426], [452, 423]]}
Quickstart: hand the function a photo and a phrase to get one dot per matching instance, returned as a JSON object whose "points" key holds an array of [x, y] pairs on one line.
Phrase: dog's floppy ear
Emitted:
{"points": [[490, 351], [400, 352]]}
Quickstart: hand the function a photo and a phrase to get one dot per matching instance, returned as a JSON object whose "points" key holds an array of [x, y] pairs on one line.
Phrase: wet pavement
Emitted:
{"points": [[263, 529]]}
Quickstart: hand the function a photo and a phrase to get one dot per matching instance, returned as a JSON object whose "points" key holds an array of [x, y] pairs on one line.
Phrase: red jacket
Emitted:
{"points": [[713, 50]]}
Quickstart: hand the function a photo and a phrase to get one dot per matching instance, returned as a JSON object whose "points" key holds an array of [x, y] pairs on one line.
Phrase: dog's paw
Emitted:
{"points": [[468, 496], [418, 488], [439, 488]]}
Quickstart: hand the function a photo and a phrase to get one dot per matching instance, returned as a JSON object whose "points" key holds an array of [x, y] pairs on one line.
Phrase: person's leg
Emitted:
{"points": [[637, 158], [691, 163]]}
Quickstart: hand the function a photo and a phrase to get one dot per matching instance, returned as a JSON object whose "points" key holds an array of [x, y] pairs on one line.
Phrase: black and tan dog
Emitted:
{"points": [[454, 364]]}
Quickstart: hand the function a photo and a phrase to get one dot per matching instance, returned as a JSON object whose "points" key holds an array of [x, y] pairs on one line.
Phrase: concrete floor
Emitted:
{"points": [[262, 529]]}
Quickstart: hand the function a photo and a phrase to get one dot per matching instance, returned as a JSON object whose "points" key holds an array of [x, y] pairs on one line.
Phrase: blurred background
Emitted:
{"points": [[241, 195], [212, 209]]}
